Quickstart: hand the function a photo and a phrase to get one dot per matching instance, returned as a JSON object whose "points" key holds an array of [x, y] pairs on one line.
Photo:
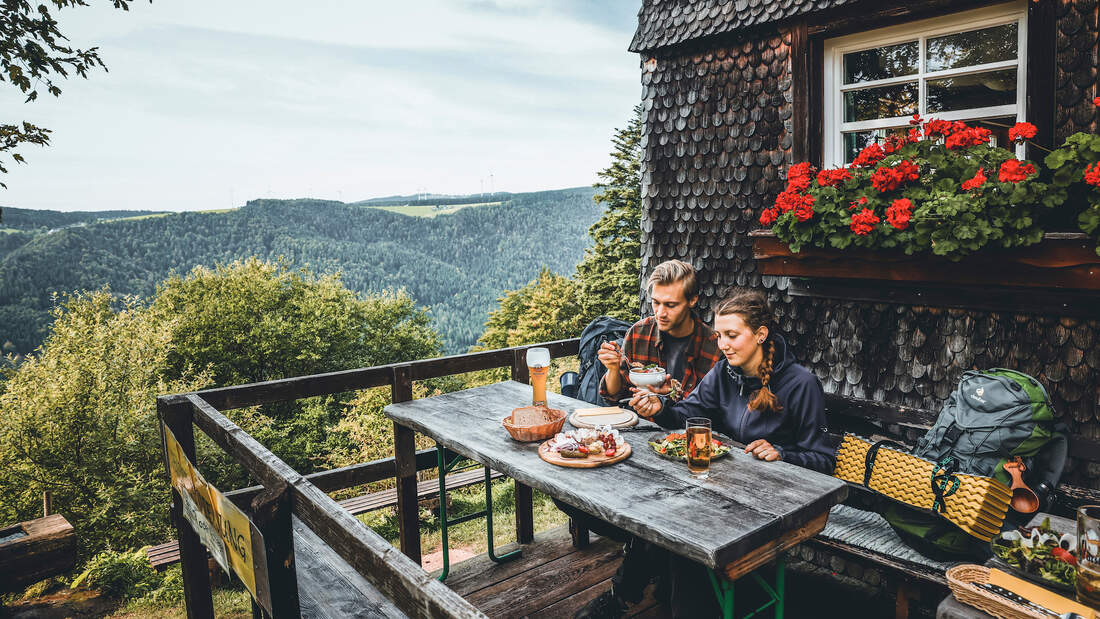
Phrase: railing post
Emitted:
{"points": [[271, 513], [404, 455], [176, 416], [525, 508]]}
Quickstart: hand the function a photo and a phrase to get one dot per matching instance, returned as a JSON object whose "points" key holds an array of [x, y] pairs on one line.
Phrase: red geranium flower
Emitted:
{"points": [[864, 221], [898, 213], [1012, 171], [769, 216], [858, 203], [978, 180], [968, 136], [828, 178], [935, 127], [1092, 173], [916, 120], [888, 179], [804, 210], [868, 156], [799, 176], [793, 201], [1096, 101], [1022, 131]]}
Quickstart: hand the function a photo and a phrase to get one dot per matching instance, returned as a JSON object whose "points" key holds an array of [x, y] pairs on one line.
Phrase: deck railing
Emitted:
{"points": [[284, 492]]}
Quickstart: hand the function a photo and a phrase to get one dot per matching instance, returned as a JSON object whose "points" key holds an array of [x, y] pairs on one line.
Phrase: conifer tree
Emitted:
{"points": [[608, 277]]}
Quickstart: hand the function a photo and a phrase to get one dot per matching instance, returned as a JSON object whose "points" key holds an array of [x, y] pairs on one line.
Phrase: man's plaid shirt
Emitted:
{"points": [[642, 344]]}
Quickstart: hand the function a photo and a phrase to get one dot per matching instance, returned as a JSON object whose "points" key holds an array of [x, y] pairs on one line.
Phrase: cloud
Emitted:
{"points": [[209, 104]]}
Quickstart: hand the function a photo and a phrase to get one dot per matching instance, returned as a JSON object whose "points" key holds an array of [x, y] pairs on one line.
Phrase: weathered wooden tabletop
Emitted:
{"points": [[744, 505]]}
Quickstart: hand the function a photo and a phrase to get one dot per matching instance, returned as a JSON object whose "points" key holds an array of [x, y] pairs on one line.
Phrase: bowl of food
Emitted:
{"points": [[651, 375], [534, 423]]}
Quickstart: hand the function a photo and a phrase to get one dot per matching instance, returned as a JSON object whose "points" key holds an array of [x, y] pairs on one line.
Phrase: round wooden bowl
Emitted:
{"points": [[540, 432]]}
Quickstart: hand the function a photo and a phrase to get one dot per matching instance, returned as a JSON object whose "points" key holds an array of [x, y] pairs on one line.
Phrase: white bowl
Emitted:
{"points": [[652, 378]]}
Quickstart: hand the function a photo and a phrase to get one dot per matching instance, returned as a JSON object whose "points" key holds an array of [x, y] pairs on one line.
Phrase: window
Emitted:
{"points": [[964, 66]]}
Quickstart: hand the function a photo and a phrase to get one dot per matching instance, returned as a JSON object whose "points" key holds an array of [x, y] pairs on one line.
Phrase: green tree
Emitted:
{"points": [[543, 310], [34, 54], [79, 419], [608, 277]]}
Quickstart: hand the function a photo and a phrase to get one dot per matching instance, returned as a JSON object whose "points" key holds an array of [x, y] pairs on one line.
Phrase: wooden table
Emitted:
{"points": [[746, 514]]}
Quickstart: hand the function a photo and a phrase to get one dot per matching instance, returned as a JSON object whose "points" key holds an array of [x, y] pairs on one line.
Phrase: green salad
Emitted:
{"points": [[675, 446], [1038, 552]]}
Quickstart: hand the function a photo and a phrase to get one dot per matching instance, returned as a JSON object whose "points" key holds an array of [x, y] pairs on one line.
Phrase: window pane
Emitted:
{"points": [[965, 92], [881, 63], [966, 49], [858, 140], [881, 102]]}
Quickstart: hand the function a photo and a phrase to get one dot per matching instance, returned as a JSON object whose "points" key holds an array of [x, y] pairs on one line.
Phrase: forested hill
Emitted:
{"points": [[457, 264]]}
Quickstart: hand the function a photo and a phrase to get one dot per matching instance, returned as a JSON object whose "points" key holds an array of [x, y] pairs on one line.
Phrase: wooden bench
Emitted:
{"points": [[163, 555], [35, 550], [856, 541]]}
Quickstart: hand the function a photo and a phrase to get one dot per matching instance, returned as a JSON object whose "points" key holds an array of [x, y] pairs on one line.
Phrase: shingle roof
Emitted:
{"points": [[662, 23]]}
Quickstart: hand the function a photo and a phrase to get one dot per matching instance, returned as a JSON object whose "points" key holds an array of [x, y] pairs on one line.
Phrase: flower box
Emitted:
{"points": [[1064, 260]]}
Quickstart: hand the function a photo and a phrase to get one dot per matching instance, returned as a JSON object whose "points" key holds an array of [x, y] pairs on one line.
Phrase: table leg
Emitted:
{"points": [[445, 521], [723, 590]]}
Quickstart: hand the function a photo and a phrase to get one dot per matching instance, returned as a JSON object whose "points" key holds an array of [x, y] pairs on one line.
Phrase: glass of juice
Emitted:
{"points": [[698, 447], [538, 369], [1088, 555]]}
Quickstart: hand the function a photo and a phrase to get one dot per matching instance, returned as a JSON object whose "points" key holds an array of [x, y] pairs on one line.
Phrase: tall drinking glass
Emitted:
{"points": [[698, 447], [1088, 555], [538, 368]]}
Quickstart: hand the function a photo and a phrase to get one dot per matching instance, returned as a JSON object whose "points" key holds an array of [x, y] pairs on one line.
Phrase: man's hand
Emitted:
{"points": [[763, 450], [610, 356], [645, 403]]}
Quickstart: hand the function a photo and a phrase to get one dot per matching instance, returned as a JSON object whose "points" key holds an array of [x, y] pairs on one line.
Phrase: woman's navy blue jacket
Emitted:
{"points": [[798, 431]]}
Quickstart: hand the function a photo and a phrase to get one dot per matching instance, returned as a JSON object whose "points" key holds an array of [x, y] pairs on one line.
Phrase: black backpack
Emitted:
{"points": [[600, 330]]}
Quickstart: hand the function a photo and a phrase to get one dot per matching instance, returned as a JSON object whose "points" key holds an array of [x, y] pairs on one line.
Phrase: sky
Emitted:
{"points": [[207, 105]]}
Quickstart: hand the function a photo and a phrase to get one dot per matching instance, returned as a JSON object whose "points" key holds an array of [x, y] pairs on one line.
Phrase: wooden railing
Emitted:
{"points": [[284, 492]]}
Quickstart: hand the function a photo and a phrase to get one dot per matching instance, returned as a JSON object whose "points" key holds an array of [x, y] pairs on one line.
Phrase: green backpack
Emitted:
{"points": [[991, 418]]}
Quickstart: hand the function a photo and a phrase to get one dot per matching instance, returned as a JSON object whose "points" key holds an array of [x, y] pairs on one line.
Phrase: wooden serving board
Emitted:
{"points": [[590, 462]]}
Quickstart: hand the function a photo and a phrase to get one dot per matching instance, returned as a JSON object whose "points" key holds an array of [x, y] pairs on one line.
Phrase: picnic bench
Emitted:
{"points": [[860, 545], [747, 514], [162, 556], [36, 549]]}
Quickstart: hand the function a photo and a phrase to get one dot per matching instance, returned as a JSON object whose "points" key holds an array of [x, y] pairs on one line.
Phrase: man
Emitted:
{"points": [[672, 338], [675, 339]]}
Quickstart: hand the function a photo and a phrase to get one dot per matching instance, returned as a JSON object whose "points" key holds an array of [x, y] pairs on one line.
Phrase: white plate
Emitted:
{"points": [[623, 419]]}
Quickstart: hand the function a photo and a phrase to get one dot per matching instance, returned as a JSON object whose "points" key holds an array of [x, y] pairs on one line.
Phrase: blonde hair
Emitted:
{"points": [[752, 306], [675, 271]]}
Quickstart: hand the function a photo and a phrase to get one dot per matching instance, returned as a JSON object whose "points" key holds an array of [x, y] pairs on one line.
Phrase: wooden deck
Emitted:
{"points": [[551, 579]]}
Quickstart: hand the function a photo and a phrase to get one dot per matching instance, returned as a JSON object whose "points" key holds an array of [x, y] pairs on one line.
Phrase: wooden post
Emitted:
{"points": [[176, 416], [271, 512], [404, 455], [47, 503], [525, 510]]}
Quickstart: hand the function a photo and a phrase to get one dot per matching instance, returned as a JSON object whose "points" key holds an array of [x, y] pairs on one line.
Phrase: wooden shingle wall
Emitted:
{"points": [[717, 141]]}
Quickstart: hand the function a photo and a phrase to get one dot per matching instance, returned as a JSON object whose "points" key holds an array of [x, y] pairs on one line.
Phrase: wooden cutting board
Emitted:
{"points": [[590, 462]]}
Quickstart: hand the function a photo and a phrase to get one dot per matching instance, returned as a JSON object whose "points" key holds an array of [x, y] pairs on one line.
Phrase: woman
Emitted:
{"points": [[757, 395]]}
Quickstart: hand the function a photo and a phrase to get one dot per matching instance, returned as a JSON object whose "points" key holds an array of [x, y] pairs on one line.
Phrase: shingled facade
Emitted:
{"points": [[731, 93]]}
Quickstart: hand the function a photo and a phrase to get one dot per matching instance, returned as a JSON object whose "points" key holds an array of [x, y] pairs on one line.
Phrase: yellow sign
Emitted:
{"points": [[223, 528]]}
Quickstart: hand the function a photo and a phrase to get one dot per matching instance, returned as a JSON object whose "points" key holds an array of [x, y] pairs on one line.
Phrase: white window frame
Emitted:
{"points": [[833, 78]]}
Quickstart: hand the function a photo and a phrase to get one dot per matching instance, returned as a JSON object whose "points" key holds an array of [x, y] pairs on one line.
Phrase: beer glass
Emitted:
{"points": [[698, 447], [1088, 555], [538, 369]]}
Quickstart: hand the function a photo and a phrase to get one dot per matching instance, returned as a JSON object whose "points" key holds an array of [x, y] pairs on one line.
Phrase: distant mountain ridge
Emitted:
{"points": [[457, 264]]}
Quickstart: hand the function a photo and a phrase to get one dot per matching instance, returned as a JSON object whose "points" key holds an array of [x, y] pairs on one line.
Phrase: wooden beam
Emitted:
{"points": [[525, 510], [47, 548], [271, 511], [800, 87], [240, 396], [769, 551], [176, 416], [404, 451], [1041, 71]]}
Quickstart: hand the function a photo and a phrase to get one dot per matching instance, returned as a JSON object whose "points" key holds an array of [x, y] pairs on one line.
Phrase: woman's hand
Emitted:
{"points": [[645, 403], [763, 450]]}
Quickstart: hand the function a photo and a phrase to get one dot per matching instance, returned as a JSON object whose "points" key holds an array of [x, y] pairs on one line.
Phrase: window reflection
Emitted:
{"points": [[881, 63], [976, 90], [882, 102], [968, 49]]}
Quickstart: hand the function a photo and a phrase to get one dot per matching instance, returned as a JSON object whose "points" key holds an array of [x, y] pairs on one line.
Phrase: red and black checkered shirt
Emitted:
{"points": [[642, 344]]}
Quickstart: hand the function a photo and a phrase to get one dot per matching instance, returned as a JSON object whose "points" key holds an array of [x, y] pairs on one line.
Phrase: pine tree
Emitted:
{"points": [[608, 277]]}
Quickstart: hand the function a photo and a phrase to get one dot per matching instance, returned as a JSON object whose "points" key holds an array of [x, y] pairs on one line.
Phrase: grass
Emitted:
{"points": [[228, 603], [470, 535], [430, 210]]}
